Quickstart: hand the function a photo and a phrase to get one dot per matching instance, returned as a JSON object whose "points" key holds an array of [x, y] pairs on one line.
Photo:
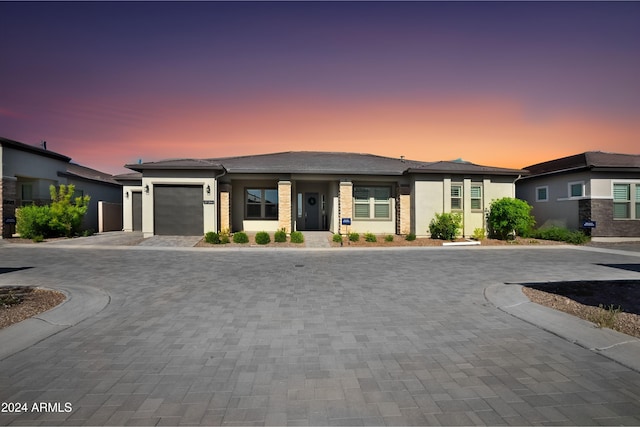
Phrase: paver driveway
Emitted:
{"points": [[342, 337]]}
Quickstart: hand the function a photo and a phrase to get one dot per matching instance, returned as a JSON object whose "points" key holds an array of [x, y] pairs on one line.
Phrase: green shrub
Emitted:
{"points": [[212, 237], [388, 238], [66, 216], [410, 237], [224, 236], [38, 239], [479, 234], [445, 226], [262, 238], [280, 236], [510, 217], [370, 237], [337, 238], [32, 221], [240, 237], [297, 237], [560, 234], [354, 237], [88, 232]]}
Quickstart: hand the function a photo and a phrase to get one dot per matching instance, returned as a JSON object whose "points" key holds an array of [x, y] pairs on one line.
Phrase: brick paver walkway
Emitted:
{"points": [[336, 337]]}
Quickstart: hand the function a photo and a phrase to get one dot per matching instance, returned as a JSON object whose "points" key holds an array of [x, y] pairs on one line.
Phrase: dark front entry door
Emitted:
{"points": [[311, 211], [137, 210]]}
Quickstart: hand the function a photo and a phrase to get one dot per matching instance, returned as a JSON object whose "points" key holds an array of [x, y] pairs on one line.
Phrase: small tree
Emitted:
{"points": [[445, 226], [509, 216], [66, 215]]}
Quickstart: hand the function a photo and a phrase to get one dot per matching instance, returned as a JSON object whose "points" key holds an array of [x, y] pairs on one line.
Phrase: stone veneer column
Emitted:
{"points": [[346, 204], [405, 214], [8, 193], [284, 205], [225, 211]]}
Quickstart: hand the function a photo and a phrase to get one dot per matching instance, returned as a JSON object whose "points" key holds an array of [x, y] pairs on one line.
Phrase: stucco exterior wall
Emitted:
{"points": [[127, 205], [428, 199]]}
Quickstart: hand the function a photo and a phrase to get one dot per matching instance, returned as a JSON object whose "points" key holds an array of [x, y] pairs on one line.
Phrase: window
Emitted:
{"points": [[476, 197], [371, 202], [637, 201], [262, 203], [456, 196], [576, 189], [542, 194], [27, 194]]}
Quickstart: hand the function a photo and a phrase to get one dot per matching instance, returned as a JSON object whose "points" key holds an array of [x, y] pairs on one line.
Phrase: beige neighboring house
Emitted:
{"points": [[27, 172], [337, 192], [594, 191]]}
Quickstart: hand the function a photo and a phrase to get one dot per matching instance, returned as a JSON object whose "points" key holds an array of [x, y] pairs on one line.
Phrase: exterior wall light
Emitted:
{"points": [[127, 194], [146, 188], [208, 189]]}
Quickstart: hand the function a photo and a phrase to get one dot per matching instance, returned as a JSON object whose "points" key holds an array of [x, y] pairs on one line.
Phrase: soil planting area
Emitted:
{"points": [[610, 304], [18, 303]]}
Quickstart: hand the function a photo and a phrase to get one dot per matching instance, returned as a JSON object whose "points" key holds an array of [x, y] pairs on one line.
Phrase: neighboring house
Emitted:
{"points": [[308, 191], [28, 171], [592, 187]]}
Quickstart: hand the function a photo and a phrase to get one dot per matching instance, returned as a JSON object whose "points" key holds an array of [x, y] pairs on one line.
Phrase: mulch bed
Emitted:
{"points": [[18, 303], [614, 304]]}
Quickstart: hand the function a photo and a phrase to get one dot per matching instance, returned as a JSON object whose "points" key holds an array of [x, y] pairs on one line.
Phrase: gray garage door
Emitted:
{"points": [[137, 210], [177, 210]]}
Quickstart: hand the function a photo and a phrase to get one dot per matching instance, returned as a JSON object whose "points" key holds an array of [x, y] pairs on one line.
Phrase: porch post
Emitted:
{"points": [[284, 205], [225, 207], [404, 217], [346, 204]]}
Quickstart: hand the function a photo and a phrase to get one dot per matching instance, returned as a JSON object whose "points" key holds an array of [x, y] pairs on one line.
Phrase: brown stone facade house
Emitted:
{"points": [[332, 191], [594, 191]]}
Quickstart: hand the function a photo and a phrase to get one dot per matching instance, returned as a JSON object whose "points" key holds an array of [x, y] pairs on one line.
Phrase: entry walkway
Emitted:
{"points": [[317, 239]]}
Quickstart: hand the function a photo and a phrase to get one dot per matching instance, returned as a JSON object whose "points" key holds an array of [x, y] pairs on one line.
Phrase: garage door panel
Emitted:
{"points": [[178, 210]]}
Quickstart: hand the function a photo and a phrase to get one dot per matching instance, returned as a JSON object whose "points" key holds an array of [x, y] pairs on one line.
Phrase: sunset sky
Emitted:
{"points": [[503, 84]]}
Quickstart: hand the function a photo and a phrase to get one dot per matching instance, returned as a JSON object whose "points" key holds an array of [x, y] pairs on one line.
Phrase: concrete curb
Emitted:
{"points": [[614, 345], [82, 302]]}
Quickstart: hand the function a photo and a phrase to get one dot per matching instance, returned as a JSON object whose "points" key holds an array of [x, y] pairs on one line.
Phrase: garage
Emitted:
{"points": [[178, 210]]}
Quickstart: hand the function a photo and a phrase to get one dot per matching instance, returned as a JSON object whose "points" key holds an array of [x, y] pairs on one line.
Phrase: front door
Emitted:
{"points": [[311, 211]]}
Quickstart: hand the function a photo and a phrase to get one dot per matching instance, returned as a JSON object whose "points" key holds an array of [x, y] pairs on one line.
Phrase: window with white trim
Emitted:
{"points": [[371, 202], [456, 196], [542, 194], [476, 197], [626, 201], [576, 189], [261, 203]]}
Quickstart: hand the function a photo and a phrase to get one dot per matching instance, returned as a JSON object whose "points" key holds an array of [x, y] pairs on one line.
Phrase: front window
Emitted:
{"points": [[476, 197], [371, 202], [542, 194], [626, 201], [27, 194], [576, 189], [456, 197], [262, 203]]}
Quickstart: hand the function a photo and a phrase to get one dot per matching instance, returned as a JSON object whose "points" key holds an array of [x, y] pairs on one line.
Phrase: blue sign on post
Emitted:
{"points": [[346, 221], [589, 224]]}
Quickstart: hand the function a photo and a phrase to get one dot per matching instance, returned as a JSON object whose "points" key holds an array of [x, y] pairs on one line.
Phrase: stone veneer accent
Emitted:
{"points": [[225, 211], [284, 205], [404, 214], [8, 193], [601, 211], [346, 204]]}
